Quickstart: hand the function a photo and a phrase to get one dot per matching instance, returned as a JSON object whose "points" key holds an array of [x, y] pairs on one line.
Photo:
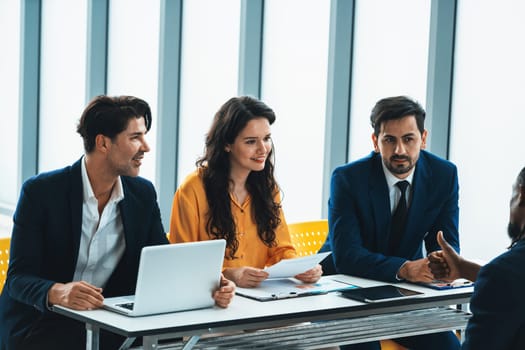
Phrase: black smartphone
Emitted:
{"points": [[380, 293]]}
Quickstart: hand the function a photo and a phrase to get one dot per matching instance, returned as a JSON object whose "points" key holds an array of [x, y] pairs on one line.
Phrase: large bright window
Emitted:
{"points": [[9, 90], [62, 82], [133, 60], [209, 74], [488, 119], [295, 61], [390, 59]]}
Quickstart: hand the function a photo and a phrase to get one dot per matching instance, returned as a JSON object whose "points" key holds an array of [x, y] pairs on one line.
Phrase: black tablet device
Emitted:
{"points": [[380, 293]]}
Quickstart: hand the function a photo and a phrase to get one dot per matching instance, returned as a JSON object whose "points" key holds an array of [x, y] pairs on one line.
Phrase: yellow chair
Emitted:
{"points": [[388, 344], [4, 260], [307, 238]]}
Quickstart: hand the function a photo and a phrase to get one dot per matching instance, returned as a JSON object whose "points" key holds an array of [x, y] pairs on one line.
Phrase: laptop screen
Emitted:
{"points": [[174, 277]]}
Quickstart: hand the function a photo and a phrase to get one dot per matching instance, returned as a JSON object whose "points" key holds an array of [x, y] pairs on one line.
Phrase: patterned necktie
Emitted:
{"points": [[398, 219]]}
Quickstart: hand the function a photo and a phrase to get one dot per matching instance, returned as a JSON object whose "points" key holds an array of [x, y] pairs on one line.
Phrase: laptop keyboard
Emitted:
{"points": [[128, 306]]}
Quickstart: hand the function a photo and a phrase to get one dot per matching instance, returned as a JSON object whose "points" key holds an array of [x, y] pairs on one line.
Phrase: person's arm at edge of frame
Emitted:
{"points": [[447, 265], [184, 220]]}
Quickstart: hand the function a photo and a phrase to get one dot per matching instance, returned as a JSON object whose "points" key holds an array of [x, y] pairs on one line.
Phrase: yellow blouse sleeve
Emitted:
{"points": [[189, 203]]}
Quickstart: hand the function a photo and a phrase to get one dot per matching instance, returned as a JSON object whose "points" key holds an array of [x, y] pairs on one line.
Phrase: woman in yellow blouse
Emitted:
{"points": [[233, 195]]}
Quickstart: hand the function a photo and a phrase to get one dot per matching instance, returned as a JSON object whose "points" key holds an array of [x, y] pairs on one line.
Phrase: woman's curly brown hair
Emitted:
{"points": [[228, 122]]}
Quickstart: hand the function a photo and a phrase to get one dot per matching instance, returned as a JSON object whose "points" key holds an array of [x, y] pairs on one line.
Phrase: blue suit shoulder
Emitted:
{"points": [[359, 166], [436, 163], [375, 157], [50, 177], [370, 165], [511, 261], [61, 177], [48, 182]]}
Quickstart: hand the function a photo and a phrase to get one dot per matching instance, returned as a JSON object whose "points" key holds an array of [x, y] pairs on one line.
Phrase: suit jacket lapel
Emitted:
{"points": [[76, 198], [380, 203], [129, 209]]}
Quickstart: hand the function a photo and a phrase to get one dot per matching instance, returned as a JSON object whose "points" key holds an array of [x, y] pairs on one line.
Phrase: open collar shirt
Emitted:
{"points": [[102, 242]]}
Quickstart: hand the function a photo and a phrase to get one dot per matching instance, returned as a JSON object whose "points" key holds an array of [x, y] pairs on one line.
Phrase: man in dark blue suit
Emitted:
{"points": [[377, 226], [78, 232], [498, 303]]}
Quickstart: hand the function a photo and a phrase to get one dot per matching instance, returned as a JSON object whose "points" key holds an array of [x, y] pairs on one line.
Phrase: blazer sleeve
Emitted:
{"points": [[497, 308], [185, 222], [26, 256], [349, 221], [447, 219], [157, 232]]}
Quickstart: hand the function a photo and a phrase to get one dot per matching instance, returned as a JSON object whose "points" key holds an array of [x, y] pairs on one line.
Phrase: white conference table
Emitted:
{"points": [[311, 317]]}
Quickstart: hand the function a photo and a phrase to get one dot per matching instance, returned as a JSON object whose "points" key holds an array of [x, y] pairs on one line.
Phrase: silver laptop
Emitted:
{"points": [[173, 277]]}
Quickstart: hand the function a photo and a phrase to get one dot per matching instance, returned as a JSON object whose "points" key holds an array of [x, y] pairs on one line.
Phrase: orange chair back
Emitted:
{"points": [[4, 260], [308, 236]]}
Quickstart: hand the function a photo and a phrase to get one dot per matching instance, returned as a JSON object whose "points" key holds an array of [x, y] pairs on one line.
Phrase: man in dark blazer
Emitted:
{"points": [[364, 196], [78, 232], [498, 303]]}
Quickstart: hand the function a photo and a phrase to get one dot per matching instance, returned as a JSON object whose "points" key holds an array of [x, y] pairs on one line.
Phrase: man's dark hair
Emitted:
{"points": [[110, 116], [396, 108]]}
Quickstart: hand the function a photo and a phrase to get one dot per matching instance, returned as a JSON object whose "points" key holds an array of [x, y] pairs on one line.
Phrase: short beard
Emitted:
{"points": [[515, 233], [400, 170]]}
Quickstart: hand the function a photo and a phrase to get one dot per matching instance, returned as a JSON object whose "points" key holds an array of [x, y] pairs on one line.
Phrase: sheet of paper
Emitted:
{"points": [[290, 267]]}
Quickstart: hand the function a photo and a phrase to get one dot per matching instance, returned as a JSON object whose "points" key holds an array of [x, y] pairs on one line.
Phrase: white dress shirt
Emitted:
{"points": [[102, 242], [394, 191]]}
